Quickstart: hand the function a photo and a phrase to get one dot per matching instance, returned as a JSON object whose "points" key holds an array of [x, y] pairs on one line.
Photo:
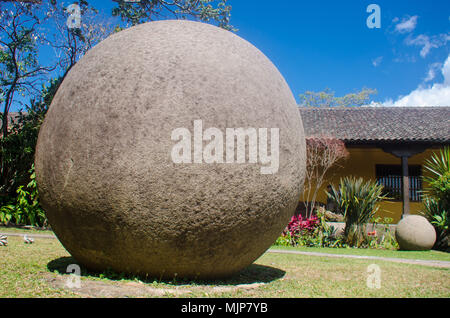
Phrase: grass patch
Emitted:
{"points": [[422, 255], [22, 268], [25, 271]]}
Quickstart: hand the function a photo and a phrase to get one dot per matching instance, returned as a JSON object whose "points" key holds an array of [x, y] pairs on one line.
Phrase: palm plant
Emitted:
{"points": [[438, 179], [436, 203], [358, 201]]}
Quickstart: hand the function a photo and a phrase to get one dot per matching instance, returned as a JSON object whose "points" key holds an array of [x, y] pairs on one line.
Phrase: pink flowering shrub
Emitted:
{"points": [[298, 225], [312, 231]]}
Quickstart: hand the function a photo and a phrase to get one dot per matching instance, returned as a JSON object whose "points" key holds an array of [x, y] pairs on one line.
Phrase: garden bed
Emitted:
{"points": [[370, 227]]}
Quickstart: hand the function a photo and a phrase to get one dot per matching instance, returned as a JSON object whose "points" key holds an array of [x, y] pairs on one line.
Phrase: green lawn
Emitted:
{"points": [[31, 271]]}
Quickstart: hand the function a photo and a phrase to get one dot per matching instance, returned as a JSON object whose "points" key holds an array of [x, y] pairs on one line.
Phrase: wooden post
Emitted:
{"points": [[405, 177], [404, 151]]}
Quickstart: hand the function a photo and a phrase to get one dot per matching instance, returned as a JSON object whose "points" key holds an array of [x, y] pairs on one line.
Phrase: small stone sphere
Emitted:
{"points": [[415, 233], [139, 162]]}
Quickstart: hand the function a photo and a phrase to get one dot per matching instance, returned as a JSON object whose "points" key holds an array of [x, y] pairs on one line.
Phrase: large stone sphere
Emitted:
{"points": [[415, 233], [115, 194]]}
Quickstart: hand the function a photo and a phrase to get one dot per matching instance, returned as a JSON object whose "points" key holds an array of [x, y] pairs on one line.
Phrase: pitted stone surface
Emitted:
{"points": [[111, 191], [415, 233]]}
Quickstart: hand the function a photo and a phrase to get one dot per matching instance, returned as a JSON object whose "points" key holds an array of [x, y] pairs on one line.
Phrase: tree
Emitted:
{"points": [[69, 42], [149, 10], [322, 153], [18, 147], [326, 98], [21, 73], [19, 66]]}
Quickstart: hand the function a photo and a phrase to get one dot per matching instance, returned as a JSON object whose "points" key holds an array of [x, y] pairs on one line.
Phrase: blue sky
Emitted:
{"points": [[326, 44], [319, 44]]}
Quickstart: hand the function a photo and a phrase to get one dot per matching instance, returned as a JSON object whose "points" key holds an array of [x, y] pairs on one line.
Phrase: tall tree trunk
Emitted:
{"points": [[8, 101], [4, 166]]}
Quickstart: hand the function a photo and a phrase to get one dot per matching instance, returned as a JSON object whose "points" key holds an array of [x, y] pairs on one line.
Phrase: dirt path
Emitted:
{"points": [[433, 263], [45, 236], [114, 289]]}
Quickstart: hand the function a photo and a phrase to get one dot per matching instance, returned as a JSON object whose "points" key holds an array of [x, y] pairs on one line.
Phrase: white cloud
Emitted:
{"points": [[446, 72], [377, 61], [436, 95], [427, 43], [407, 25], [405, 58], [434, 68]]}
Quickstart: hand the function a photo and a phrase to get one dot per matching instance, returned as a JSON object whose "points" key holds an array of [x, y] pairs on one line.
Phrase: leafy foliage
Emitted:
{"points": [[436, 202], [326, 98], [20, 74], [20, 69], [358, 201], [439, 179], [26, 210], [382, 237], [312, 231], [20, 199], [18, 148], [148, 10], [72, 43], [316, 232]]}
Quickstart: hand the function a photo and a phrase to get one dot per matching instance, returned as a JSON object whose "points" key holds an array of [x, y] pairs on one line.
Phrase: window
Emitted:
{"points": [[390, 176]]}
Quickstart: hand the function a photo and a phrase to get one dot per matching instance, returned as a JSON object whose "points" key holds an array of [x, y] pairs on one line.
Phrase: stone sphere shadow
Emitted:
{"points": [[253, 274]]}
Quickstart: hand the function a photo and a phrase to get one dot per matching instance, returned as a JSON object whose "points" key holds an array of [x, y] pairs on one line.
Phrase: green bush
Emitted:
{"points": [[436, 202], [439, 177], [358, 200], [312, 232], [17, 154], [381, 237], [19, 200], [17, 148], [26, 209], [285, 240], [324, 235]]}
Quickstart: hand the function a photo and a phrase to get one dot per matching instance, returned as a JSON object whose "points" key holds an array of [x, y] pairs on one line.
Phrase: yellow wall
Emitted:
{"points": [[361, 163]]}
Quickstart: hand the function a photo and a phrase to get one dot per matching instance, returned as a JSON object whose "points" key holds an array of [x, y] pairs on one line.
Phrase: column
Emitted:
{"points": [[405, 188]]}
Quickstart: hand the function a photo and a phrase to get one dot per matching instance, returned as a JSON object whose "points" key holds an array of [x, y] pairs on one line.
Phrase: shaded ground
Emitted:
{"points": [[116, 289], [250, 278]]}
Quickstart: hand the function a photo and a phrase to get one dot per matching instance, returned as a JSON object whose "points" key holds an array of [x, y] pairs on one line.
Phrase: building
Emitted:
{"points": [[387, 144]]}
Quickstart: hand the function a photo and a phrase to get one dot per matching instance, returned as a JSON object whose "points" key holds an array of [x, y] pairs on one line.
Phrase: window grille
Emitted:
{"points": [[390, 176]]}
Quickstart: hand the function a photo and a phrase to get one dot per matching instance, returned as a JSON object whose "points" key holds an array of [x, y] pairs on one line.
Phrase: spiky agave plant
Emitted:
{"points": [[358, 201]]}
